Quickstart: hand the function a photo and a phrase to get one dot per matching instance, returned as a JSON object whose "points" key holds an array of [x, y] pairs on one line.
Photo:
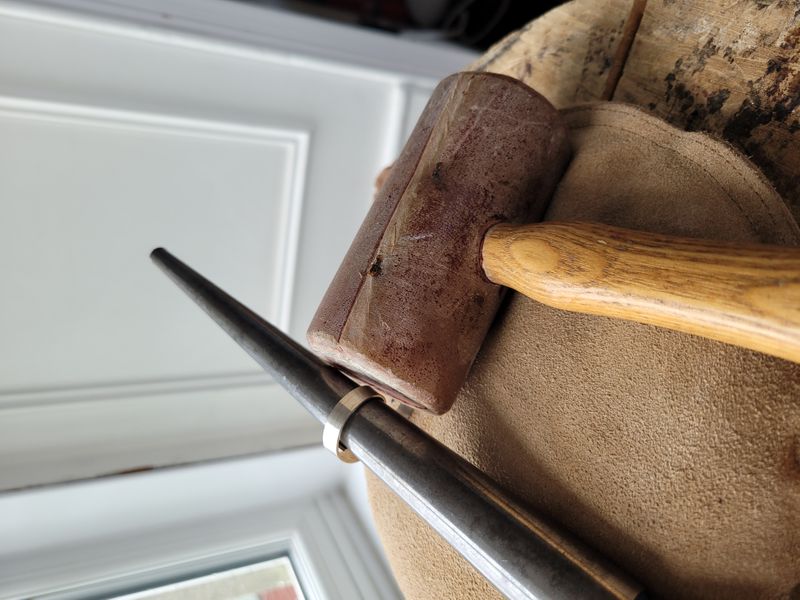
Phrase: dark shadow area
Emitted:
{"points": [[474, 24]]}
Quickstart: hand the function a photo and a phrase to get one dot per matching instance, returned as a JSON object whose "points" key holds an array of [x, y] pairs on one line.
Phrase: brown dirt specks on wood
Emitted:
{"points": [[729, 68]]}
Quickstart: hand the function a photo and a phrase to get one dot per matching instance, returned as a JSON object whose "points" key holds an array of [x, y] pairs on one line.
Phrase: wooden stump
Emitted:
{"points": [[566, 56], [730, 68]]}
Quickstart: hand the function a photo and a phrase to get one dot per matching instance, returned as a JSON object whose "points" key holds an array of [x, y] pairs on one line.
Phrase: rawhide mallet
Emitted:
{"points": [[408, 308], [416, 293]]}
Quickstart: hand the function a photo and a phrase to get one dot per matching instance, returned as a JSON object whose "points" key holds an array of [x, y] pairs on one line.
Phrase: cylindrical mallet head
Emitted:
{"points": [[409, 307]]}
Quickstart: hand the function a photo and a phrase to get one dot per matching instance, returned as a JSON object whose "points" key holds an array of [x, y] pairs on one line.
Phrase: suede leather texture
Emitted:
{"points": [[676, 456]]}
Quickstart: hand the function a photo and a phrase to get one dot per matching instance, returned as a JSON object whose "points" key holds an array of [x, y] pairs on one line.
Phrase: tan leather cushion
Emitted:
{"points": [[676, 456]]}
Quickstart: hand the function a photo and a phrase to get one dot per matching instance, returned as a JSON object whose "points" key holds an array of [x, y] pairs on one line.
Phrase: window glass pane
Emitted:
{"points": [[271, 580]]}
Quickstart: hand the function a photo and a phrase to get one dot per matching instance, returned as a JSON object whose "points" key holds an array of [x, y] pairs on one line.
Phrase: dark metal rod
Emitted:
{"points": [[520, 553], [314, 384]]}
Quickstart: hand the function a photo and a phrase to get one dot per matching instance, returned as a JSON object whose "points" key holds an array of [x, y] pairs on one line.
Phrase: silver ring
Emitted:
{"points": [[338, 418]]}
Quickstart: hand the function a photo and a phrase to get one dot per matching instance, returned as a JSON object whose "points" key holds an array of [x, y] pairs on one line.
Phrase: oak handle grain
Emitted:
{"points": [[743, 295]]}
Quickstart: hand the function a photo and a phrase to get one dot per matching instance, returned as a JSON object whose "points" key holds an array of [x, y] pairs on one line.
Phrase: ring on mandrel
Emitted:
{"points": [[338, 418]]}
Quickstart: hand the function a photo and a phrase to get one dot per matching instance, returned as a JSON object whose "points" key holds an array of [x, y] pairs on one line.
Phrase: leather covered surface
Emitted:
{"points": [[676, 456]]}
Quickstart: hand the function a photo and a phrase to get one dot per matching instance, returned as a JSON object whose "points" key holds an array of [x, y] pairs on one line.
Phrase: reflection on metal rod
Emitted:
{"points": [[519, 553]]}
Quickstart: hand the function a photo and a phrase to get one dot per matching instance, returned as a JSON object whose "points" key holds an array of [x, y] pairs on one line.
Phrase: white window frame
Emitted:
{"points": [[126, 533]]}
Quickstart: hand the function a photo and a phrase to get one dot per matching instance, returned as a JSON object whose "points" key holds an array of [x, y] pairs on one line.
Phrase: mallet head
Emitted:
{"points": [[409, 307]]}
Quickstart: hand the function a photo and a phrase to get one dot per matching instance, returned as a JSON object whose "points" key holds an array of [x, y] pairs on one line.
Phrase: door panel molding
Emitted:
{"points": [[294, 142]]}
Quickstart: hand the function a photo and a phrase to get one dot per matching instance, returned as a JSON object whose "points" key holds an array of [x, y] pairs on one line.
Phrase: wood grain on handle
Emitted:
{"points": [[743, 295]]}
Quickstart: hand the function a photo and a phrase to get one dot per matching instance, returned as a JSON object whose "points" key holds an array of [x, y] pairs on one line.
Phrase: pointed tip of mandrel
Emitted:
{"points": [[316, 385], [180, 273], [157, 254]]}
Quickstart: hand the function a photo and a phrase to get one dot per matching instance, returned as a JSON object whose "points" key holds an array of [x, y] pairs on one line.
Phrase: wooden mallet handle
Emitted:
{"points": [[743, 295]]}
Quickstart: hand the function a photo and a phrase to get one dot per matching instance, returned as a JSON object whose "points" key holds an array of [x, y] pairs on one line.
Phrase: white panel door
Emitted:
{"points": [[207, 127]]}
